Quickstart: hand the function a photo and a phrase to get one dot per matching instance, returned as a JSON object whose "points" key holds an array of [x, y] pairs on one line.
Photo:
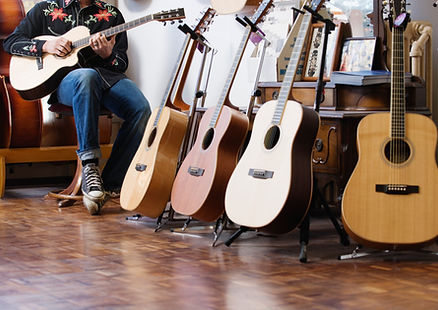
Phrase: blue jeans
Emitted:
{"points": [[82, 89]]}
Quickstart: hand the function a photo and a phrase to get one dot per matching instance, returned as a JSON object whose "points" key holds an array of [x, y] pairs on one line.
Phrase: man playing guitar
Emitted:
{"points": [[98, 82]]}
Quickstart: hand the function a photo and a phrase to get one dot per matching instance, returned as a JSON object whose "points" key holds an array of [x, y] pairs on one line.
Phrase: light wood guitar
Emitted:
{"points": [[231, 6], [271, 187], [148, 181], [35, 78], [390, 200], [199, 187]]}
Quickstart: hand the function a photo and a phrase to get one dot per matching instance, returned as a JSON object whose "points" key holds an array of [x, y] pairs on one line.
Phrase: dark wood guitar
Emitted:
{"points": [[20, 120], [148, 181], [390, 200], [199, 186], [35, 78], [271, 187]]}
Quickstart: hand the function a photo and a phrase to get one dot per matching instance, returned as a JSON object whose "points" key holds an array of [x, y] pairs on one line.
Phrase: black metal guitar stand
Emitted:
{"points": [[317, 195]]}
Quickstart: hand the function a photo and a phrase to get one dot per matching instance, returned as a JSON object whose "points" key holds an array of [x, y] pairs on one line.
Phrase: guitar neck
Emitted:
{"points": [[172, 81], [231, 76], [292, 67], [115, 30], [398, 109]]}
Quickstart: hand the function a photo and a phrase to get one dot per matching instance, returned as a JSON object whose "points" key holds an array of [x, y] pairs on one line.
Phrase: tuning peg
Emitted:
{"points": [[164, 23]]}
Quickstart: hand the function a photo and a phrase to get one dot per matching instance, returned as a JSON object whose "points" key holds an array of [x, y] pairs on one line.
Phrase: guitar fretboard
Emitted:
{"points": [[230, 78], [173, 76], [114, 30], [291, 70], [398, 108]]}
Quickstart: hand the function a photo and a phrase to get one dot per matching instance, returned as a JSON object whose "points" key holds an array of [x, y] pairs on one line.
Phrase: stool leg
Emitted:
{"points": [[2, 176], [72, 193]]}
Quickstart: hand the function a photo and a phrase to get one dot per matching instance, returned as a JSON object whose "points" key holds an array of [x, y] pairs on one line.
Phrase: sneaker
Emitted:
{"points": [[92, 188]]}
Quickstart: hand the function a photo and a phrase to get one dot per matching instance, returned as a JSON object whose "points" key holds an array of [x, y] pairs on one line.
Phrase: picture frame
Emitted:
{"points": [[314, 51], [358, 54]]}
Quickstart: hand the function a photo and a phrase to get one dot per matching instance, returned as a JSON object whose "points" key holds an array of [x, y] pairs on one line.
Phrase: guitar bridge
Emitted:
{"points": [[397, 189], [195, 171], [261, 174]]}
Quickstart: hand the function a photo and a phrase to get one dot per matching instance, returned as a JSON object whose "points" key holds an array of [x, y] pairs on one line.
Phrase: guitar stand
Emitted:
{"points": [[216, 229], [236, 235], [357, 254], [305, 225]]}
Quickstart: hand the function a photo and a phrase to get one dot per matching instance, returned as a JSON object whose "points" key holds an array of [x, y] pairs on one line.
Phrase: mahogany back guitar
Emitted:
{"points": [[271, 187]]}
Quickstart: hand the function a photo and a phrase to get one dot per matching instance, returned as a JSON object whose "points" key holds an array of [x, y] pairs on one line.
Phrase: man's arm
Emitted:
{"points": [[118, 58], [21, 41]]}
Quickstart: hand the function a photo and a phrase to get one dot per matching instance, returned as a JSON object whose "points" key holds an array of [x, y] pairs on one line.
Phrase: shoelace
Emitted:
{"points": [[92, 178]]}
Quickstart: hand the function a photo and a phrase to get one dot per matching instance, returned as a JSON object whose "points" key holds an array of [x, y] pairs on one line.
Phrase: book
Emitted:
{"points": [[361, 78]]}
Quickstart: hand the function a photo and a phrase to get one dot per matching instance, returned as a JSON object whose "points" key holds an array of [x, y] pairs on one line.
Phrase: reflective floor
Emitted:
{"points": [[54, 258]]}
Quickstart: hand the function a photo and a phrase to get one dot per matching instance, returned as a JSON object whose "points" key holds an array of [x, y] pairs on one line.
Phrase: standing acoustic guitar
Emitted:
{"points": [[390, 200], [271, 187], [148, 181], [199, 186]]}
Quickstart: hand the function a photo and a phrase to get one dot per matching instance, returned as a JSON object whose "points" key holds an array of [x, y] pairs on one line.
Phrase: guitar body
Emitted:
{"points": [[276, 203], [387, 220], [147, 189], [215, 151], [33, 82]]}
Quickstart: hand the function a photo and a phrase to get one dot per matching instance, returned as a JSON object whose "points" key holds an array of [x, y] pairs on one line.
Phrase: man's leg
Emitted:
{"points": [[82, 90], [126, 101]]}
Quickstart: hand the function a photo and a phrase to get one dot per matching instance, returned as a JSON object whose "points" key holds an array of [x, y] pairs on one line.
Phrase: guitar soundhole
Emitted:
{"points": [[208, 138], [397, 151], [272, 137], [152, 136]]}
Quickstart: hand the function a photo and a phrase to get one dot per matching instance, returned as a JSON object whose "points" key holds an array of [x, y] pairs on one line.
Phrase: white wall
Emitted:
{"points": [[153, 49]]}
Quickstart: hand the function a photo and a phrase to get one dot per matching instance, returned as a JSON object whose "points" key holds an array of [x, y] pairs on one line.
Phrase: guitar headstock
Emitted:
{"points": [[205, 21], [396, 13], [261, 11], [164, 16], [316, 4]]}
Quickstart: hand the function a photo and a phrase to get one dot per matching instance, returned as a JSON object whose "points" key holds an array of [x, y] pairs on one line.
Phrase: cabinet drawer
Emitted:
{"points": [[326, 150]]}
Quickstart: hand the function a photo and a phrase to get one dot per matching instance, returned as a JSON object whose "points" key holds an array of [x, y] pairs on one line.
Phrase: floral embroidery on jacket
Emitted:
{"points": [[58, 13], [31, 48], [103, 14]]}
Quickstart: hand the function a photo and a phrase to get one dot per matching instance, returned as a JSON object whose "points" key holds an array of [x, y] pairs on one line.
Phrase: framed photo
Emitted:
{"points": [[357, 54], [314, 52]]}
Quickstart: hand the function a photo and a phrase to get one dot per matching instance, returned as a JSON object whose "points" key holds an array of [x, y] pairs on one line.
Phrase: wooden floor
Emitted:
{"points": [[66, 259]]}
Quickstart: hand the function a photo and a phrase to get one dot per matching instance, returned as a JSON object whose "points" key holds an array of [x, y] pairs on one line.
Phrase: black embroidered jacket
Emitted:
{"points": [[56, 17]]}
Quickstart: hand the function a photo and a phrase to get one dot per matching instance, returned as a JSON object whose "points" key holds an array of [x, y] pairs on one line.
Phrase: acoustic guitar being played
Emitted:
{"points": [[390, 200], [36, 77]]}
